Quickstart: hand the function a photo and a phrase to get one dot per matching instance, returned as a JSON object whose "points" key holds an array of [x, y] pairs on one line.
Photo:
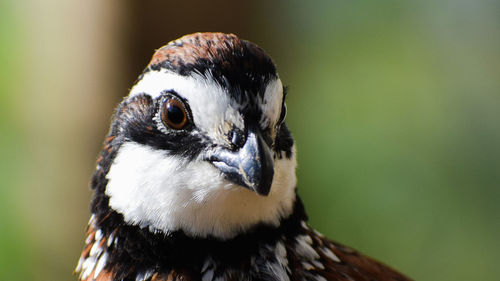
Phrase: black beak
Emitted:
{"points": [[250, 166]]}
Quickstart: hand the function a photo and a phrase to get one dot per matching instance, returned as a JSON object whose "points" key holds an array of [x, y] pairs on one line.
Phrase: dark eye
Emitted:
{"points": [[174, 114]]}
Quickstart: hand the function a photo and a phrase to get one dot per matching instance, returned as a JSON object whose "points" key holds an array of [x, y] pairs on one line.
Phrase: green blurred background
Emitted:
{"points": [[394, 105]]}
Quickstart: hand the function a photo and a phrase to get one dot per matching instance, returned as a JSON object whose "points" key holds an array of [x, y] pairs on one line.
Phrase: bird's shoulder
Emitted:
{"points": [[335, 261]]}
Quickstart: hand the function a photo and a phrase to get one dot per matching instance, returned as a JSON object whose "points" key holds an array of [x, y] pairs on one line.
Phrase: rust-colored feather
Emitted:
{"points": [[349, 264]]}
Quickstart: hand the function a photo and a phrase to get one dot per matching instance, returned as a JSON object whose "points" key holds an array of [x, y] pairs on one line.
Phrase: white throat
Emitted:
{"points": [[166, 193]]}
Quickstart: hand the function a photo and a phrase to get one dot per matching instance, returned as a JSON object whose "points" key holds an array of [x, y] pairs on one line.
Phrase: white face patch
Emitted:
{"points": [[212, 109], [166, 193]]}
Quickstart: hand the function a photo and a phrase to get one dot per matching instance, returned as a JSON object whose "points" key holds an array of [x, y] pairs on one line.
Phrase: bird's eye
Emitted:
{"points": [[174, 114]]}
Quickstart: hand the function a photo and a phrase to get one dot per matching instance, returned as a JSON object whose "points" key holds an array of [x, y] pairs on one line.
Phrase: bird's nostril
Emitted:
{"points": [[238, 138]]}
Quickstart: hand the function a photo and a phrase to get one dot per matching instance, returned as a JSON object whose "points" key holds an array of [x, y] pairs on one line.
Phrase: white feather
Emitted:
{"points": [[327, 252], [304, 248], [88, 267], [110, 240], [212, 108], [166, 193], [208, 275], [271, 105], [144, 275], [282, 268], [100, 264], [96, 249]]}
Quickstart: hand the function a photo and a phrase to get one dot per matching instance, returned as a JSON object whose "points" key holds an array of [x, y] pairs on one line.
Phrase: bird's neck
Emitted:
{"points": [[127, 248]]}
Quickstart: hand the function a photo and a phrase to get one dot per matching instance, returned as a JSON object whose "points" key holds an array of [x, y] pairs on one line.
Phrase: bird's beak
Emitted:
{"points": [[251, 166]]}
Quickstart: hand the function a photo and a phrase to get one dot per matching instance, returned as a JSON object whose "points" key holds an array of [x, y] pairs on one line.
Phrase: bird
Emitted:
{"points": [[196, 179]]}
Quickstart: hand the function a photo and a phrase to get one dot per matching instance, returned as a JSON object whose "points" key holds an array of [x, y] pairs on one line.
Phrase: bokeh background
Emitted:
{"points": [[394, 105]]}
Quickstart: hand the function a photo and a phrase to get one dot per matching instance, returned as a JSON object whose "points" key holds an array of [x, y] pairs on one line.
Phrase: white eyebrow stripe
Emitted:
{"points": [[211, 106], [153, 83], [214, 112]]}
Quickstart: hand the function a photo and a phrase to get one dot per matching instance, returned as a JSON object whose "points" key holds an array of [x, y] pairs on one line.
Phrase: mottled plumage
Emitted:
{"points": [[196, 180]]}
